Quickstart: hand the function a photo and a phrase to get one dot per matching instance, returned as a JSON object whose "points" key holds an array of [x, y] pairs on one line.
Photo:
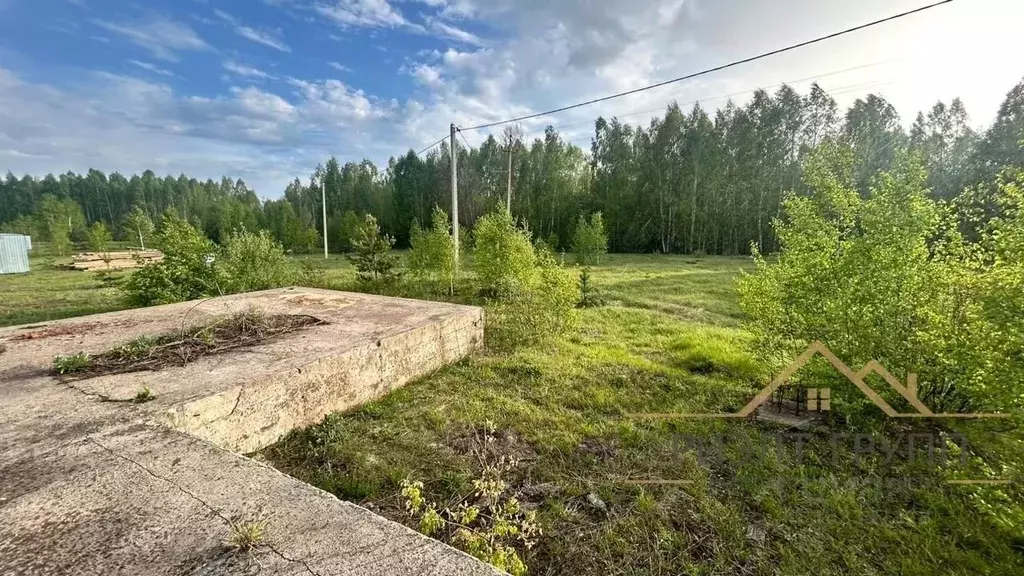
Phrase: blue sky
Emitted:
{"points": [[265, 89]]}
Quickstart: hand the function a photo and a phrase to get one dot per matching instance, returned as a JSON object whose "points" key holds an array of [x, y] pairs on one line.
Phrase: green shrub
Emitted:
{"points": [[186, 272], [374, 261], [254, 261], [99, 237], [590, 242], [351, 229], [526, 313], [889, 278], [433, 251], [503, 256], [552, 242]]}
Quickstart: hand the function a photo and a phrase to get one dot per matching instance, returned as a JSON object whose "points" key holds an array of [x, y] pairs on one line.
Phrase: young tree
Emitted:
{"points": [[137, 224], [503, 255], [188, 270], [254, 261], [63, 220], [886, 278], [433, 250], [375, 262], [99, 237], [590, 242]]}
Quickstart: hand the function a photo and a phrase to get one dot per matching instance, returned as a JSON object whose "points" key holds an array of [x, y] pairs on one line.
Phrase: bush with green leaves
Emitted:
{"points": [[374, 261], [187, 271], [527, 313], [503, 255], [589, 241], [531, 297], [351, 229], [254, 261], [99, 237], [890, 278], [432, 255]]}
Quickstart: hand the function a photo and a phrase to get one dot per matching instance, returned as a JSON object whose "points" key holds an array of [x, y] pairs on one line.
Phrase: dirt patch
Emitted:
{"points": [[493, 445], [601, 449], [242, 330], [61, 330]]}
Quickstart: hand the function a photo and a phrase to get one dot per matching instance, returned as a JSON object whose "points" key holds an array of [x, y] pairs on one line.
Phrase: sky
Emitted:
{"points": [[264, 90]]}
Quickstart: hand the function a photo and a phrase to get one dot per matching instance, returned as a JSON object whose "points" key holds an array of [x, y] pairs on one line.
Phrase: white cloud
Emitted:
{"points": [[427, 75], [265, 37], [513, 57], [116, 122], [445, 30], [372, 13], [152, 68], [243, 70], [161, 36], [334, 103]]}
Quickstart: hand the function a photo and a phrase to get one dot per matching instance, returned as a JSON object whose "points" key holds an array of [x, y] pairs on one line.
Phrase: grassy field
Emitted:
{"points": [[669, 339], [50, 293]]}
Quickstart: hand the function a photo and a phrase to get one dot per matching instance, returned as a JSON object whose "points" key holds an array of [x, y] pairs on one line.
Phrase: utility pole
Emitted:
{"points": [[453, 152], [323, 208], [510, 137]]}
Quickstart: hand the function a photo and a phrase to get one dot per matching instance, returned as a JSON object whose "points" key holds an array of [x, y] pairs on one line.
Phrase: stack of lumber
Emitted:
{"points": [[114, 260]]}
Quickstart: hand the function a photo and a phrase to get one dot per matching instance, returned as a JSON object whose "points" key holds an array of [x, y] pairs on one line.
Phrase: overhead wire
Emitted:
{"points": [[716, 68], [441, 139], [586, 139], [734, 94], [466, 142]]}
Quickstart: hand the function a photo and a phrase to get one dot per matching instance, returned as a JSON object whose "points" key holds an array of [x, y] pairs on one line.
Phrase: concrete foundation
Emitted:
{"points": [[91, 483]]}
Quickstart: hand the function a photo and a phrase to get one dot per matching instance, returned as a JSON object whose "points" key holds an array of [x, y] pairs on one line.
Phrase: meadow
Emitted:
{"points": [[669, 338]]}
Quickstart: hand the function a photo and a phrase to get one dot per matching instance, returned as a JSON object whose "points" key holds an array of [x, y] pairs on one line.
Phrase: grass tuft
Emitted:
{"points": [[144, 395], [72, 363], [247, 535]]}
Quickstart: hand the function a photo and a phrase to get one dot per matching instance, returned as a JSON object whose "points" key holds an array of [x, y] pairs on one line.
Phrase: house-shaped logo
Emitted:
{"points": [[820, 398]]}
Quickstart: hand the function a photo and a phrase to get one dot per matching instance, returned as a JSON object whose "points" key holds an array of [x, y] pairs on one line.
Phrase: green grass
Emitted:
{"points": [[669, 340], [48, 292]]}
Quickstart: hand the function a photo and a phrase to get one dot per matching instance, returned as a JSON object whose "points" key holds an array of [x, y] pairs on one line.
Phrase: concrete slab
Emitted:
{"points": [[91, 486]]}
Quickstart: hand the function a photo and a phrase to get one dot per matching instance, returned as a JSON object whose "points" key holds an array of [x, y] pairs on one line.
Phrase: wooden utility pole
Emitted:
{"points": [[323, 208], [510, 137], [508, 191], [453, 152]]}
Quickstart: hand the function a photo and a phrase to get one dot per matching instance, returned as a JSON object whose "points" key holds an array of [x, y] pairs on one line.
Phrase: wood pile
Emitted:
{"points": [[114, 260]]}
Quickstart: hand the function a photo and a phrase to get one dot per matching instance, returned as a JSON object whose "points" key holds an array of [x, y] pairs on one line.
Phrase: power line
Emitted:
{"points": [[441, 139], [717, 68], [713, 98], [836, 92], [459, 130]]}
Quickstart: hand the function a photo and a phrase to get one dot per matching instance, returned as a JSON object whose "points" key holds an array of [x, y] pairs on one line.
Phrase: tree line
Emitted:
{"points": [[691, 181]]}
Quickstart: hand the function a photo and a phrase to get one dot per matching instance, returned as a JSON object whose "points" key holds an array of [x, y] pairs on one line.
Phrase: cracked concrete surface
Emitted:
{"points": [[89, 486]]}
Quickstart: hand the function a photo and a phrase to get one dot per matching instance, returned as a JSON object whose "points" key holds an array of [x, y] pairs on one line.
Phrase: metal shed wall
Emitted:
{"points": [[14, 253]]}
